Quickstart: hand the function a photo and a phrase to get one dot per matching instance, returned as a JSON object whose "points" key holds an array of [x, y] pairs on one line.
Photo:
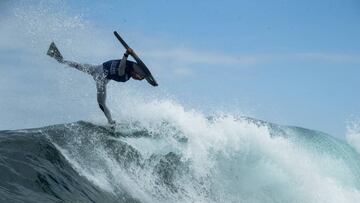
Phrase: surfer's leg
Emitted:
{"points": [[98, 73], [86, 68], [101, 98]]}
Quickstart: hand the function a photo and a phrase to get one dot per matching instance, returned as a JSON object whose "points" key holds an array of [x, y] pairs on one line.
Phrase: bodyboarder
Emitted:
{"points": [[117, 70]]}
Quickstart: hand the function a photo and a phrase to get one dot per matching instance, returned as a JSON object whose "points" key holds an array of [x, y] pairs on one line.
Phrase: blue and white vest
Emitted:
{"points": [[111, 70]]}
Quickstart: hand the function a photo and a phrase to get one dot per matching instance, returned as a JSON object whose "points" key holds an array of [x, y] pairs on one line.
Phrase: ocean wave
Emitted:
{"points": [[228, 160]]}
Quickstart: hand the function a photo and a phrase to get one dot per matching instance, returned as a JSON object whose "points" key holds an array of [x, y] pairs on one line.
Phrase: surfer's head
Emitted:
{"points": [[135, 75], [137, 72]]}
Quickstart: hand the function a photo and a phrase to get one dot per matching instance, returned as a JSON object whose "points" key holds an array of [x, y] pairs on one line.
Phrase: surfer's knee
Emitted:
{"points": [[101, 102], [101, 107]]}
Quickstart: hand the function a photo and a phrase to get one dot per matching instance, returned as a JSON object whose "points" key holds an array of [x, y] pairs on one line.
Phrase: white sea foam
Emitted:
{"points": [[243, 161], [353, 134]]}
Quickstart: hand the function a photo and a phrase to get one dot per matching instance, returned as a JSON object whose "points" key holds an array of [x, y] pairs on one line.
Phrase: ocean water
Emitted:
{"points": [[187, 158]]}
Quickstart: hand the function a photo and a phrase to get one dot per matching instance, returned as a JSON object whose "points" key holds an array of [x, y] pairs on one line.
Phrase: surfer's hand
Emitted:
{"points": [[129, 51]]}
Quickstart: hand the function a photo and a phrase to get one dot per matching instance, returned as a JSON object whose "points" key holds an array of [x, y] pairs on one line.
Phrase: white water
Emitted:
{"points": [[244, 163], [353, 134], [229, 160]]}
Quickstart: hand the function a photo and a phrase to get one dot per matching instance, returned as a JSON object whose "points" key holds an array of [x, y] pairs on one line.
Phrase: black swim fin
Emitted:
{"points": [[54, 52]]}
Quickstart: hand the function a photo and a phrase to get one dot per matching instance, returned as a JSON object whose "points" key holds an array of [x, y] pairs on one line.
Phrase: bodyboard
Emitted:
{"points": [[151, 80]]}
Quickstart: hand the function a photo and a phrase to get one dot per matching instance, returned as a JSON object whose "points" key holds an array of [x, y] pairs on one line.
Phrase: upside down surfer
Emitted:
{"points": [[117, 70]]}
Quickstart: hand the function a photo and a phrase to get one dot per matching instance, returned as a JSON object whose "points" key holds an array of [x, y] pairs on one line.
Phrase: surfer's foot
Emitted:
{"points": [[112, 124], [55, 53]]}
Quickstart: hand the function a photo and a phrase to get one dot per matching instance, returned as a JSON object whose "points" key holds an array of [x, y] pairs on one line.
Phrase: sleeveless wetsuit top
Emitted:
{"points": [[111, 70]]}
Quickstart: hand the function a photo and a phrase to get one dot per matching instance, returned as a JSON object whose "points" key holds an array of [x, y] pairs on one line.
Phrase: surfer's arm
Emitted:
{"points": [[122, 65]]}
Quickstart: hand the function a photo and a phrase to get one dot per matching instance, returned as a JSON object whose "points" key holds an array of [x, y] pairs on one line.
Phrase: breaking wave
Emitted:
{"points": [[185, 158]]}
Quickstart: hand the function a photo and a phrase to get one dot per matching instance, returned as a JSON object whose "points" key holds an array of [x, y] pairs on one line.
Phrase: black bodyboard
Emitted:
{"points": [[151, 80]]}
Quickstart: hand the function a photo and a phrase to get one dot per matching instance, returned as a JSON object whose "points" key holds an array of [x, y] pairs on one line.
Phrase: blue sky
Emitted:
{"points": [[306, 53], [288, 62]]}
